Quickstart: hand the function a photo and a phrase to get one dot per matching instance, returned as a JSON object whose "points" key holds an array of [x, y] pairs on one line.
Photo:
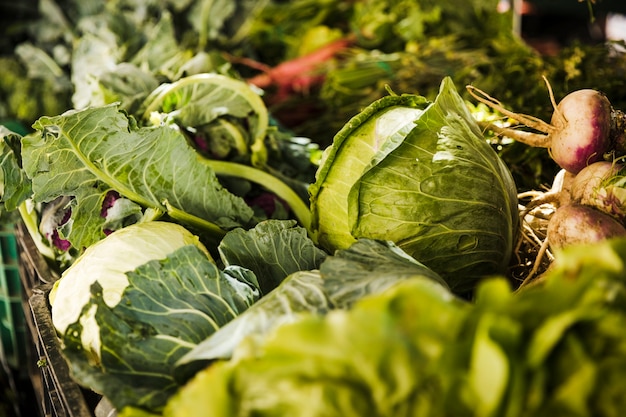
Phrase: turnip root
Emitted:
{"points": [[580, 208], [601, 185], [578, 224], [579, 133], [558, 195], [582, 121]]}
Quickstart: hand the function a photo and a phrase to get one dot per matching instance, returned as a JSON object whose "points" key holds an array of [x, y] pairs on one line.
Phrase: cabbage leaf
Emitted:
{"points": [[367, 267], [384, 123], [381, 358], [223, 109], [168, 307], [87, 153], [15, 187], [301, 292], [273, 250]]}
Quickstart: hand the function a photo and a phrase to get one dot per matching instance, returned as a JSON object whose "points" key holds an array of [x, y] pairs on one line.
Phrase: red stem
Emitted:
{"points": [[300, 68]]}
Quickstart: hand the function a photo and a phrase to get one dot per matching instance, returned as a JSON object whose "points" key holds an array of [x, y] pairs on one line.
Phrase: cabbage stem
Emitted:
{"points": [[29, 218], [268, 181]]}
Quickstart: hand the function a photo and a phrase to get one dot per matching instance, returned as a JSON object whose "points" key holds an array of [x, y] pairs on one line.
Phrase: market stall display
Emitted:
{"points": [[232, 208]]}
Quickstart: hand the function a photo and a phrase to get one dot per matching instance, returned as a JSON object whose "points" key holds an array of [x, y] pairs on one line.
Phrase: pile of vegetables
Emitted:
{"points": [[416, 350], [214, 260], [161, 316]]}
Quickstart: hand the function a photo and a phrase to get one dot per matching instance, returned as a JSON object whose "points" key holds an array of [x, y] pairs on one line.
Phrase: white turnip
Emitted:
{"points": [[558, 195], [579, 133], [601, 185], [578, 224]]}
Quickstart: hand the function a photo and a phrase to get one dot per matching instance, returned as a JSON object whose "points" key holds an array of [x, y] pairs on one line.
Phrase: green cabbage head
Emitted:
{"points": [[107, 262], [422, 175], [136, 301]]}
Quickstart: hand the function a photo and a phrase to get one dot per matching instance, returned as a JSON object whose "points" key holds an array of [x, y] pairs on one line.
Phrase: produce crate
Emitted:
{"points": [[57, 393], [12, 321]]}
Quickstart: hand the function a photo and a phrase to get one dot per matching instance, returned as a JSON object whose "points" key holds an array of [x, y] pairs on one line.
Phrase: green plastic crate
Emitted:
{"points": [[12, 319], [8, 246]]}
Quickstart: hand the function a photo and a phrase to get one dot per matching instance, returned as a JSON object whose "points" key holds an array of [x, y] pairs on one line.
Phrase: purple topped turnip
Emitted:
{"points": [[582, 129]]}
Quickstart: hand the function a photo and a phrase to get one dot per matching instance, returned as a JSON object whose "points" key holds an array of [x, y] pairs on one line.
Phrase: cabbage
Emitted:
{"points": [[135, 302], [130, 248], [421, 175]]}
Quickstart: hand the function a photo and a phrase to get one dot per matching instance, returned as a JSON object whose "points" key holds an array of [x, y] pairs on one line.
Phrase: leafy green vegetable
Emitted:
{"points": [[107, 262], [228, 123], [141, 316], [553, 349], [381, 125], [215, 106], [367, 267], [87, 153], [433, 186], [14, 185], [273, 250], [347, 363], [301, 292]]}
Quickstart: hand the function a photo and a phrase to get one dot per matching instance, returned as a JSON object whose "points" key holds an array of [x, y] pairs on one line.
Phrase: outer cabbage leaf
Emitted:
{"points": [[301, 292], [168, 307], [367, 267], [111, 45], [15, 187], [127, 84], [161, 52], [273, 250], [93, 54], [227, 111], [384, 124], [88, 153]]}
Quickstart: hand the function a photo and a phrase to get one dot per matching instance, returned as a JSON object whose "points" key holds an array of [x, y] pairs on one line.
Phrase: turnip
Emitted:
{"points": [[581, 131], [535, 216], [578, 224], [602, 185], [576, 209]]}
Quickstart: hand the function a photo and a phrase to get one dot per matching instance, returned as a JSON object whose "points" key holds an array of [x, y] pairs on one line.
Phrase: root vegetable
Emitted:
{"points": [[579, 133], [578, 224], [601, 185], [558, 195]]}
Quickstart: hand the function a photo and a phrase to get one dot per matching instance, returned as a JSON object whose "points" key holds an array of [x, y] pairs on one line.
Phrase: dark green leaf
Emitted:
{"points": [[369, 267], [274, 249]]}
